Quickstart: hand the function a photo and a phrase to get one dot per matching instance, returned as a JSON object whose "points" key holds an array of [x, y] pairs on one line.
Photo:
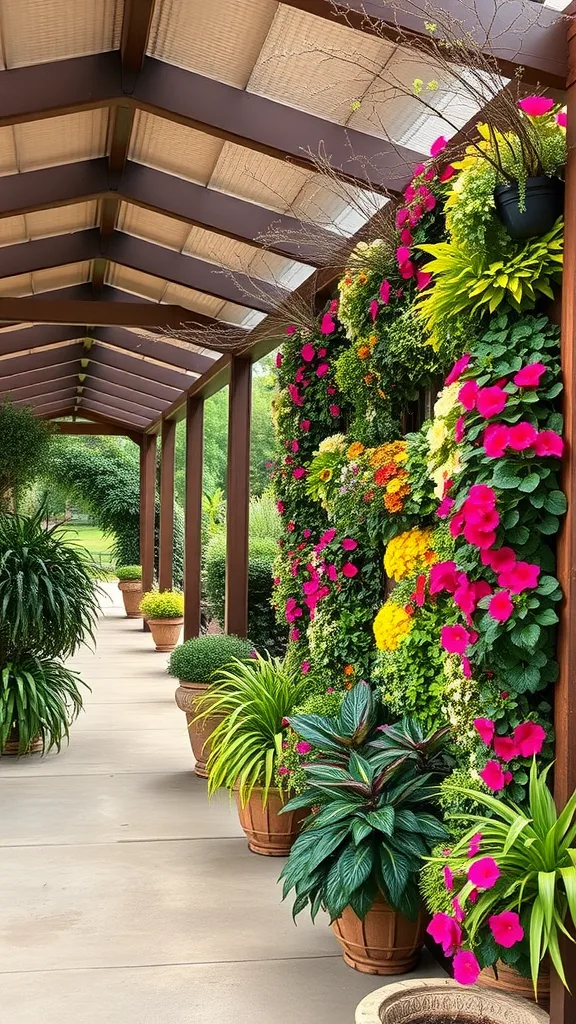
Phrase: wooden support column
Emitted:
{"points": [[238, 496], [147, 509], [193, 516], [563, 1004], [165, 567]]}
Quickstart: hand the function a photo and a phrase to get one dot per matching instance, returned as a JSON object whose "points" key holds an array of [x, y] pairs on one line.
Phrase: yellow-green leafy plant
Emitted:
{"points": [[166, 604]]}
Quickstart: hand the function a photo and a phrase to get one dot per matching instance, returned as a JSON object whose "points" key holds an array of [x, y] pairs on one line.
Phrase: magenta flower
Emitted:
{"points": [[529, 738], [481, 496], [327, 325], [349, 570], [521, 436], [506, 928], [548, 443], [294, 634], [493, 777], [474, 845], [295, 395], [409, 193], [438, 146], [406, 236], [332, 573], [447, 173], [501, 607], [283, 770], [445, 507], [407, 270], [349, 545], [562, 119], [458, 911], [522, 576], [402, 254], [416, 215], [484, 873], [466, 666], [334, 410], [294, 446], [479, 534], [459, 429], [402, 217], [468, 394], [279, 358], [466, 967], [457, 524], [443, 576], [536, 106], [280, 507], [374, 309], [495, 440], [385, 289], [291, 329], [491, 401], [305, 667], [446, 932], [307, 533], [308, 352], [322, 370], [299, 472], [303, 747], [500, 559], [429, 202], [422, 280], [458, 368], [485, 729], [305, 425], [505, 748], [455, 639], [529, 376], [291, 526], [448, 878], [331, 391]]}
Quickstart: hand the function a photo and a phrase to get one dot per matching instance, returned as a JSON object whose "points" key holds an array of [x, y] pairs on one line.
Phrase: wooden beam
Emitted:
{"points": [[136, 23], [42, 388], [40, 360], [45, 253], [38, 309], [59, 87], [147, 510], [134, 433], [48, 187], [193, 516], [43, 375], [113, 414], [124, 379], [53, 397], [238, 496], [92, 392], [13, 342], [124, 393], [139, 366], [79, 429], [208, 384], [166, 543], [159, 347], [562, 1002]]}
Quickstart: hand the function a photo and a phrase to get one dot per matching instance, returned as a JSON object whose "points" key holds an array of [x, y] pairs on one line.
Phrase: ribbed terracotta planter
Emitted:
{"points": [[131, 595], [268, 832], [186, 697], [12, 744], [166, 632], [385, 942], [509, 980]]}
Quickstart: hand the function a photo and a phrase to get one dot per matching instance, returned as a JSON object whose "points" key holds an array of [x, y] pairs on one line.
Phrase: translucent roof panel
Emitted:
{"points": [[45, 280], [158, 290], [55, 140], [36, 31], [45, 223], [172, 147]]}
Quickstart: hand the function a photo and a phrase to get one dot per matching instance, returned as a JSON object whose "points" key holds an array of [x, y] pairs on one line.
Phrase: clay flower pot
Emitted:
{"points": [[268, 832], [186, 697], [509, 980], [385, 942], [440, 999], [13, 742], [166, 632], [131, 595]]}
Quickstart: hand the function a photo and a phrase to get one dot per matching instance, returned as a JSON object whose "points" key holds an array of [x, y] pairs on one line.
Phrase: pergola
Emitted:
{"points": [[147, 145]]}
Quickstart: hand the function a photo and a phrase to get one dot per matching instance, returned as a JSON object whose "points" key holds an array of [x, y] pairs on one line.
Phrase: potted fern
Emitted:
{"points": [[254, 699], [130, 586], [164, 612], [194, 663]]}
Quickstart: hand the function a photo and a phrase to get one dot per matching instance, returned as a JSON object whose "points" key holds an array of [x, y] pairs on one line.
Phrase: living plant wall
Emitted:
{"points": [[423, 562]]}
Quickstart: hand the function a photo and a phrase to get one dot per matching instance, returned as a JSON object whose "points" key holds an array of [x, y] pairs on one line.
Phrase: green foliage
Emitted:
{"points": [[48, 599], [38, 697], [408, 743], [24, 444], [261, 619], [128, 572], [265, 522], [166, 604], [255, 697], [534, 850], [196, 660]]}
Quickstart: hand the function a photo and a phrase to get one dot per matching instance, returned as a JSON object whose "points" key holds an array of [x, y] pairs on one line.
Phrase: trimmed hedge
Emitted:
{"points": [[196, 660], [165, 605], [128, 572]]}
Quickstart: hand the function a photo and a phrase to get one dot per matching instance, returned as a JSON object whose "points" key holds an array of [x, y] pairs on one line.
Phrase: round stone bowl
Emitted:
{"points": [[443, 1000]]}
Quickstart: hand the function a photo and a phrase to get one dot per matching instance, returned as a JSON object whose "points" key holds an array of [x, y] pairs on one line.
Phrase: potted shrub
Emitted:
{"points": [[49, 604], [194, 664], [255, 697], [164, 612], [361, 851], [130, 585]]}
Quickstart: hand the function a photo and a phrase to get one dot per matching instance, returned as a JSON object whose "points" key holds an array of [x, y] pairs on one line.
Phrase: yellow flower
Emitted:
{"points": [[437, 435], [355, 450], [362, 278], [446, 400], [409, 553], [391, 625], [325, 475], [394, 485], [372, 340]]}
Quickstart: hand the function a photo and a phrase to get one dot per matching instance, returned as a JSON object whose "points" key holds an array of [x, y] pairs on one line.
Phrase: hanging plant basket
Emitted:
{"points": [[544, 204]]}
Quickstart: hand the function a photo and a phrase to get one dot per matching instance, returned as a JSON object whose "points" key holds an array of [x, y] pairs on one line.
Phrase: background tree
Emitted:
{"points": [[24, 444]]}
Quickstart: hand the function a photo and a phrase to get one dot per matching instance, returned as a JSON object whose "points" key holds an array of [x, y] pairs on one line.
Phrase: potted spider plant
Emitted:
{"points": [[194, 663], [49, 602], [254, 697], [164, 612], [130, 586]]}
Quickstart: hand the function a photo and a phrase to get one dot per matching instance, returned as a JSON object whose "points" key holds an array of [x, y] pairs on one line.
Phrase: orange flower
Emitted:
{"points": [[349, 686], [348, 281], [384, 474], [355, 449], [372, 340], [393, 502], [362, 278], [349, 670], [363, 352], [369, 378]]}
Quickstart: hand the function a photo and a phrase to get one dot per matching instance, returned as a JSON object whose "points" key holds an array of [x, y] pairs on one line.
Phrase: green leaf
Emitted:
{"points": [[383, 820], [529, 483], [505, 476], [355, 864], [555, 502], [547, 585]]}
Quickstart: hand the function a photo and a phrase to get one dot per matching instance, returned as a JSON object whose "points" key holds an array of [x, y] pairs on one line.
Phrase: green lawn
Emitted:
{"points": [[91, 538]]}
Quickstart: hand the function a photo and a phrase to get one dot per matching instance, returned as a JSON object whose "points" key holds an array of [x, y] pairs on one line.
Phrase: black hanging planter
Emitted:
{"points": [[544, 204]]}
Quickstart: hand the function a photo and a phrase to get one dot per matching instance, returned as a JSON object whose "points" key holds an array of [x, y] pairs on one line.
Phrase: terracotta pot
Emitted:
{"points": [[131, 595], [268, 832], [385, 942], [165, 632], [13, 742], [509, 980], [186, 697]]}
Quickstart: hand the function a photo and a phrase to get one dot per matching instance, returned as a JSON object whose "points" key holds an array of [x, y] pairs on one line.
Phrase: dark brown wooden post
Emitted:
{"points": [[166, 544], [147, 509], [562, 1003], [193, 514], [238, 496]]}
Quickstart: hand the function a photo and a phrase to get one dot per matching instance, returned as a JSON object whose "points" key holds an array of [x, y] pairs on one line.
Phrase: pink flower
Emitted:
{"points": [[305, 667], [402, 217], [547, 443], [294, 634], [422, 280], [334, 410], [501, 606], [295, 395], [322, 351], [455, 639], [429, 202], [474, 845], [385, 290], [327, 325], [328, 536], [458, 911], [406, 236], [465, 597], [500, 560], [291, 527], [443, 576], [438, 145], [445, 507], [308, 352], [493, 777], [485, 729], [459, 429], [505, 748], [279, 358], [349, 570], [562, 119], [484, 873], [457, 524], [473, 897], [448, 878], [418, 170], [332, 573], [280, 507], [291, 329], [294, 446], [306, 533], [529, 376], [447, 173], [409, 193], [303, 747], [407, 270], [416, 215], [331, 391], [506, 928], [446, 932], [508, 776], [466, 666], [529, 738], [468, 394], [305, 425], [402, 254], [349, 545], [536, 106], [283, 770], [491, 401], [458, 368], [322, 370], [495, 440], [466, 967], [522, 576], [479, 534], [299, 472], [521, 436], [481, 495], [373, 309]]}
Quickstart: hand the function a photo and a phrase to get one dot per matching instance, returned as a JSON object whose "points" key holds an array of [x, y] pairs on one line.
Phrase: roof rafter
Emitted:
{"points": [[41, 360], [150, 402], [125, 379], [106, 410], [138, 313], [134, 407], [159, 348], [139, 367], [41, 375]]}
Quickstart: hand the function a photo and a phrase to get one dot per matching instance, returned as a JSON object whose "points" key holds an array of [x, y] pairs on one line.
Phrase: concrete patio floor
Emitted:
{"points": [[126, 896]]}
